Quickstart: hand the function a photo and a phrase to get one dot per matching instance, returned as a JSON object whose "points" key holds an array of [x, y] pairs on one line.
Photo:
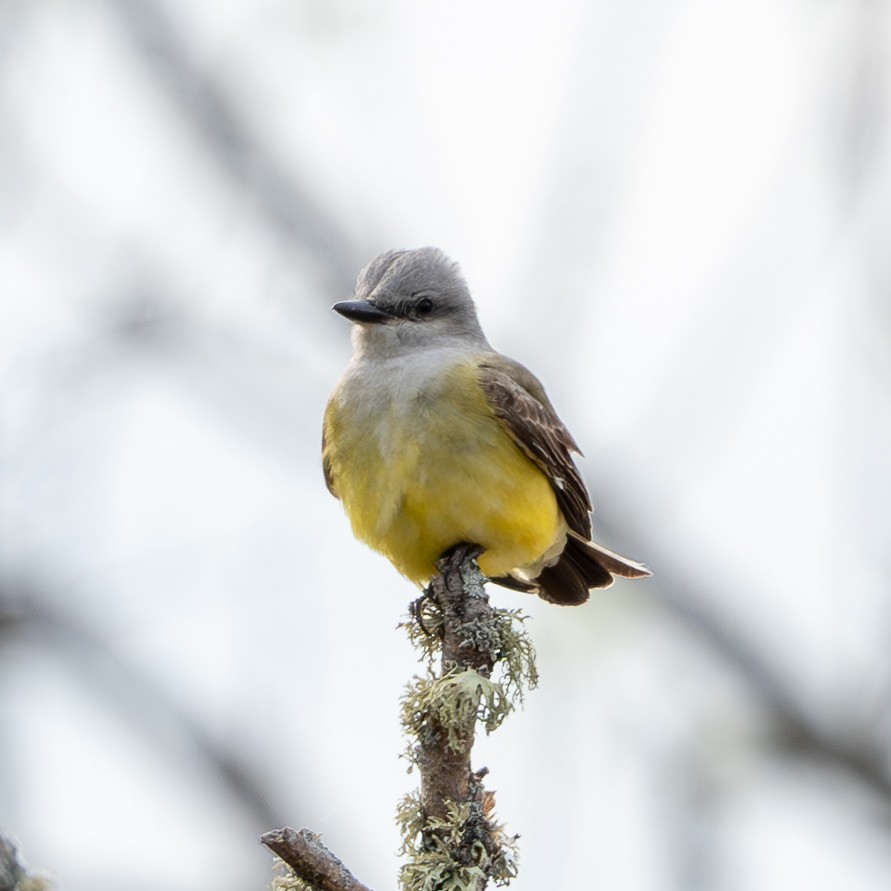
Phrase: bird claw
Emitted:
{"points": [[456, 556], [416, 609]]}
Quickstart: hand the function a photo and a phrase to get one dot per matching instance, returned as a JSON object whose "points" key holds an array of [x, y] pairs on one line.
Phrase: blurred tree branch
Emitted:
{"points": [[859, 754], [205, 107], [26, 616]]}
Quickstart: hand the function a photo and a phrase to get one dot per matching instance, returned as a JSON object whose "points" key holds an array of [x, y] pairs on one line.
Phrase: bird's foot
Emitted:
{"points": [[416, 609], [458, 555]]}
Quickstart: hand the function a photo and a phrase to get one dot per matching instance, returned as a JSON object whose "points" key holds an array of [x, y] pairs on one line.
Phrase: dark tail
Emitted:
{"points": [[583, 565]]}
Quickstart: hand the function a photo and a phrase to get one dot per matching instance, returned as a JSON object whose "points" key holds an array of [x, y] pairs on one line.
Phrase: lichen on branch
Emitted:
{"points": [[479, 665]]}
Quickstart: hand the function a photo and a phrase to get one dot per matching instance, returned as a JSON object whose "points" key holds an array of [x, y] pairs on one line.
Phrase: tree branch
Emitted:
{"points": [[450, 835], [310, 860], [444, 745], [451, 839]]}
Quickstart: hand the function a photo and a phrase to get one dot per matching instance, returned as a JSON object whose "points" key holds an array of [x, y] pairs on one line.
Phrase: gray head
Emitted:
{"points": [[409, 300]]}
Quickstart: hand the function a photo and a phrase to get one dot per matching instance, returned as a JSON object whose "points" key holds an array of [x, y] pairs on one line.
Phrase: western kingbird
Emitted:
{"points": [[433, 439]]}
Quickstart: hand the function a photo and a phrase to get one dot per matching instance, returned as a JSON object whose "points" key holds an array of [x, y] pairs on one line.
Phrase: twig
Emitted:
{"points": [[310, 860]]}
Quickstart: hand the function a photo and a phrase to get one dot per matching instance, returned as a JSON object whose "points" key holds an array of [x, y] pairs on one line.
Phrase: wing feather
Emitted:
{"points": [[520, 403]]}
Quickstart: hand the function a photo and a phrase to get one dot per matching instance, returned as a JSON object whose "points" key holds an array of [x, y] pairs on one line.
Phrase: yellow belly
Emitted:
{"points": [[420, 476]]}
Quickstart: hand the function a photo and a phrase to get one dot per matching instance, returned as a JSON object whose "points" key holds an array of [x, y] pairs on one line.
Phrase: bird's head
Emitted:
{"points": [[411, 300]]}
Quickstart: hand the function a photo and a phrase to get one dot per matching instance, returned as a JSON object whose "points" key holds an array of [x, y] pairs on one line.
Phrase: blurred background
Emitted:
{"points": [[677, 214]]}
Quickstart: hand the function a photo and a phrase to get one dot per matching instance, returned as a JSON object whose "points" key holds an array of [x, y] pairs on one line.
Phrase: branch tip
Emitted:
{"points": [[303, 852]]}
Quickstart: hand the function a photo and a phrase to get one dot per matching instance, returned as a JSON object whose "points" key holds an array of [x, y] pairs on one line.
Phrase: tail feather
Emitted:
{"points": [[583, 565], [616, 564]]}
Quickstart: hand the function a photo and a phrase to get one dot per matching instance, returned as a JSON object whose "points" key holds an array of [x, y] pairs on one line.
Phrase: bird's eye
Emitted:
{"points": [[424, 306]]}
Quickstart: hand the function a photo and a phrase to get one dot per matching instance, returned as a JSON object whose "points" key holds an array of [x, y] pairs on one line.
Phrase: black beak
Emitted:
{"points": [[362, 311]]}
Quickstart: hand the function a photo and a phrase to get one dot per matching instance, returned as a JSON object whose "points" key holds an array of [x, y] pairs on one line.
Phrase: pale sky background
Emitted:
{"points": [[677, 214]]}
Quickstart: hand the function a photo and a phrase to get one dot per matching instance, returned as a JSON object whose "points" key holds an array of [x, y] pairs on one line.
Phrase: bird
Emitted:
{"points": [[433, 440]]}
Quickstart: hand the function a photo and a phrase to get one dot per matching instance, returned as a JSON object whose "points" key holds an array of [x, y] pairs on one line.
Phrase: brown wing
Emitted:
{"points": [[520, 403]]}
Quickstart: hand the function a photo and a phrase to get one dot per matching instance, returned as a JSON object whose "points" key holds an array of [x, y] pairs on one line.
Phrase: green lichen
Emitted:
{"points": [[500, 634], [466, 849], [515, 666], [460, 852], [454, 703]]}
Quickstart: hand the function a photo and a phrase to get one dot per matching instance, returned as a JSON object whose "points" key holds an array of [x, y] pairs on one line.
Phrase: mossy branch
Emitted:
{"points": [[485, 664], [479, 664]]}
